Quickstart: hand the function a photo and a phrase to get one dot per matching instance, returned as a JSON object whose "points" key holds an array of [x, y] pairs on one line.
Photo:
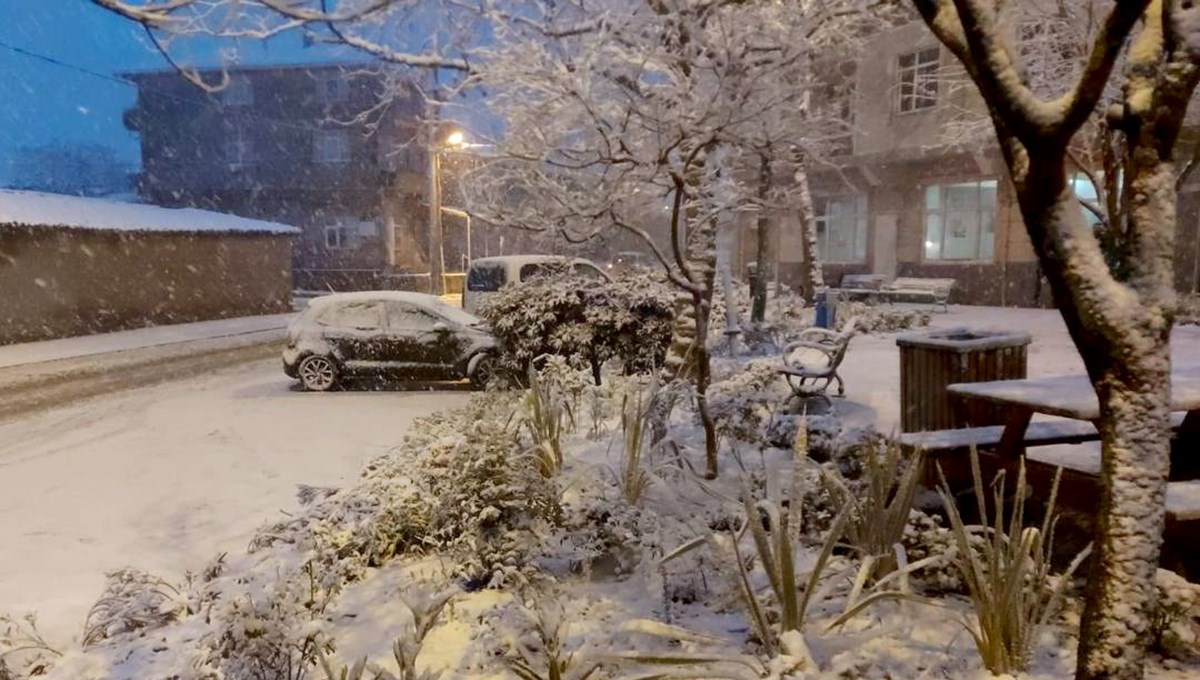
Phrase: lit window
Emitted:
{"points": [[842, 228], [239, 152], [960, 221], [332, 88], [237, 92], [1085, 192], [337, 236], [331, 146], [918, 75]]}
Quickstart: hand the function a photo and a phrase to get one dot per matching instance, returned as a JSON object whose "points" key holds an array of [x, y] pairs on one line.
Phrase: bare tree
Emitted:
{"points": [[1121, 327], [654, 116]]}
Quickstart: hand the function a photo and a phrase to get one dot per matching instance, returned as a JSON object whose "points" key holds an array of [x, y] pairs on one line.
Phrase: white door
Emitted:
{"points": [[885, 245]]}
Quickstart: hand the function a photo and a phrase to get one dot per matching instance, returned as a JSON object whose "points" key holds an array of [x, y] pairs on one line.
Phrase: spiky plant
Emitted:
{"points": [[634, 478], [426, 608], [553, 662], [544, 422], [879, 510], [1006, 568]]}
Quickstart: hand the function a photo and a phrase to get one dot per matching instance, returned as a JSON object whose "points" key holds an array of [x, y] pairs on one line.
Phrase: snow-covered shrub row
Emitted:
{"points": [[589, 321], [875, 318]]}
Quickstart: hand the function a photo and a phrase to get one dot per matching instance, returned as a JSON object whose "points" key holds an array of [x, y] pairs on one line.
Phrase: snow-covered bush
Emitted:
{"points": [[743, 404], [1189, 310], [588, 321], [490, 506], [271, 630], [874, 318], [133, 601], [1175, 621]]}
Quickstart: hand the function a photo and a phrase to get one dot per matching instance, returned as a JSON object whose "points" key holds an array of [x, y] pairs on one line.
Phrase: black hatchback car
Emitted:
{"points": [[386, 334]]}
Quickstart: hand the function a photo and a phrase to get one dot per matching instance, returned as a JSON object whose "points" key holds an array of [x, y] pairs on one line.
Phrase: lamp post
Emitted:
{"points": [[467, 216], [437, 263]]}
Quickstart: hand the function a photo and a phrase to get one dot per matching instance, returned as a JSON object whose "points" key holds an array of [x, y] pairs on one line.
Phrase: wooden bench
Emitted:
{"points": [[935, 290], [1041, 433], [1081, 465], [875, 287]]}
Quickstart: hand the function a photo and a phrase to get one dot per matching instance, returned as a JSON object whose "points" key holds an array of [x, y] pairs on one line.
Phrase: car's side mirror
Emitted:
{"points": [[440, 327]]}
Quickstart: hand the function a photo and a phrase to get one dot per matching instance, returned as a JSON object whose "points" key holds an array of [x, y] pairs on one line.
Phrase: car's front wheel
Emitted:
{"points": [[318, 373], [483, 370]]}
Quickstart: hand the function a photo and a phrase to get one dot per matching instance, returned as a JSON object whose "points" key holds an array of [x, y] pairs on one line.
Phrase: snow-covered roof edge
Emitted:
{"points": [[37, 209]]}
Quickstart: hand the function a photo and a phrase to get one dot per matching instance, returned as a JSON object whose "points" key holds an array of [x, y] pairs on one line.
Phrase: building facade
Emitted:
{"points": [[334, 150], [910, 198]]}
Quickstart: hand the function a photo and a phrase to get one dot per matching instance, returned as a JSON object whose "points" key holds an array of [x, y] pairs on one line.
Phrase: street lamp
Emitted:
{"points": [[437, 263]]}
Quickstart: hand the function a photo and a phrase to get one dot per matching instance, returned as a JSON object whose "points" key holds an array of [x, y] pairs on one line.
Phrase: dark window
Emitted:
{"points": [[587, 271], [486, 278], [531, 271]]}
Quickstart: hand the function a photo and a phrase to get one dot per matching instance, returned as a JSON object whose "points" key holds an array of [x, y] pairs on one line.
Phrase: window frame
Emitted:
{"points": [[914, 76], [861, 220], [942, 212], [342, 239], [320, 149], [244, 157]]}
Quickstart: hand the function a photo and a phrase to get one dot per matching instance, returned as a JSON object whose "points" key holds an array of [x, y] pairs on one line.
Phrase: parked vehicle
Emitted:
{"points": [[386, 334], [628, 261], [488, 275]]}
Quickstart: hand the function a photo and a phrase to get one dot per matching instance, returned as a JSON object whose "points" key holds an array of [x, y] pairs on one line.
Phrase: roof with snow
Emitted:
{"points": [[37, 209]]}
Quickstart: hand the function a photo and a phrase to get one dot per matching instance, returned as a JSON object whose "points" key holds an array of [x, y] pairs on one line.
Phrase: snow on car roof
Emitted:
{"points": [[378, 295], [37, 209]]}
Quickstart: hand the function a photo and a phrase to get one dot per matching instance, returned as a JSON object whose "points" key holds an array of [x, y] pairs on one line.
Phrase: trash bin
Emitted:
{"points": [[930, 361], [826, 309]]}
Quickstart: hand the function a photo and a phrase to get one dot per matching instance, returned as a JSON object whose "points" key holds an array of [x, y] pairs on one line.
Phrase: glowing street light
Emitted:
{"points": [[455, 138]]}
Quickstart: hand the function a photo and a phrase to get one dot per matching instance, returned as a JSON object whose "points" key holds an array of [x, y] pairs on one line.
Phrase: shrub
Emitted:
{"points": [[1175, 620], [587, 321], [132, 601], [875, 318], [879, 502], [742, 405], [490, 503], [1007, 573]]}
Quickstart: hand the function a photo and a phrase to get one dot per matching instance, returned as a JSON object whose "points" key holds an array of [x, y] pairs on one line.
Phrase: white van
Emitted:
{"points": [[487, 275]]}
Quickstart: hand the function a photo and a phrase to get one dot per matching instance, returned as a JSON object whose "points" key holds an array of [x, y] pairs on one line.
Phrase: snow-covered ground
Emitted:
{"points": [[168, 476], [872, 365]]}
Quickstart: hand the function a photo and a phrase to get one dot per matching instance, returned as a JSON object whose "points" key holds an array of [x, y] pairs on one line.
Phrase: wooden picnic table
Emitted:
{"points": [[1070, 397]]}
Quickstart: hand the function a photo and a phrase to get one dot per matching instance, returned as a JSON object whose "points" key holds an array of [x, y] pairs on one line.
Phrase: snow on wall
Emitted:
{"points": [[37, 209]]}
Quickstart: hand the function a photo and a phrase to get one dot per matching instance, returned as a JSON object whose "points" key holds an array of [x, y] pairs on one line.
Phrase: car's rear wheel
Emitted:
{"points": [[318, 373], [484, 371]]}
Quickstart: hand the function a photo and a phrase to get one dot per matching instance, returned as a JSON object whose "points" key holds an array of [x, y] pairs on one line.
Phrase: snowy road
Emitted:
{"points": [[165, 477]]}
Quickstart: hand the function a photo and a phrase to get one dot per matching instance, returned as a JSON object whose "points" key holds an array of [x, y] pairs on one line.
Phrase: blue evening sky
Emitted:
{"points": [[46, 103]]}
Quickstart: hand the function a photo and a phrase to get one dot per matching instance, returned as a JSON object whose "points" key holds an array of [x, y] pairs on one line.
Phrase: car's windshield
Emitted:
{"points": [[485, 278]]}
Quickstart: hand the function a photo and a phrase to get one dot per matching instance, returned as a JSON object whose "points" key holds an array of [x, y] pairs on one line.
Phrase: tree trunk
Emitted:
{"points": [[762, 264], [1133, 381], [725, 245], [1122, 333], [1135, 431], [811, 277]]}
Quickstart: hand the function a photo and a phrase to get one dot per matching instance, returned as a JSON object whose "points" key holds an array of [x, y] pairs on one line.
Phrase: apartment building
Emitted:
{"points": [[332, 149], [910, 197]]}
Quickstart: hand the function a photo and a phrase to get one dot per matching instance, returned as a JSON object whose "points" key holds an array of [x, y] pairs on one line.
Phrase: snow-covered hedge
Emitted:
{"points": [[589, 321]]}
